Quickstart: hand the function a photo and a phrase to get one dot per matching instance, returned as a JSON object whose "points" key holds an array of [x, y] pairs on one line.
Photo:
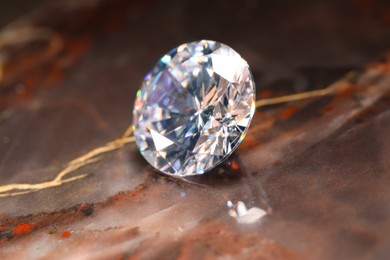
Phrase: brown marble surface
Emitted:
{"points": [[317, 170]]}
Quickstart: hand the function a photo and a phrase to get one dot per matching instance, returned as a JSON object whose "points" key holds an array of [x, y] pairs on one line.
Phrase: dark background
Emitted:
{"points": [[11, 10], [294, 44]]}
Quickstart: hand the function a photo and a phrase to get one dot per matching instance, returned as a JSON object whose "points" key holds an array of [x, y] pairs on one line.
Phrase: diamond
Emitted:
{"points": [[194, 108]]}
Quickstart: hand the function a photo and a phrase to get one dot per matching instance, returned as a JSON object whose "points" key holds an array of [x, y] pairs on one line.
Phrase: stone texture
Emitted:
{"points": [[319, 168]]}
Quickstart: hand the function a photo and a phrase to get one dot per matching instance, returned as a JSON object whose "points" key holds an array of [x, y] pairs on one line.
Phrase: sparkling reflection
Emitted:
{"points": [[243, 215]]}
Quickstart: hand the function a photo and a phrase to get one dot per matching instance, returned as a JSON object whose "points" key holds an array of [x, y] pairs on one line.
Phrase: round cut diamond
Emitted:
{"points": [[194, 108]]}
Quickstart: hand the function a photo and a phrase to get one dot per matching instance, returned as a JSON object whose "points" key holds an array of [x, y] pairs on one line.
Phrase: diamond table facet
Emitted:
{"points": [[194, 108]]}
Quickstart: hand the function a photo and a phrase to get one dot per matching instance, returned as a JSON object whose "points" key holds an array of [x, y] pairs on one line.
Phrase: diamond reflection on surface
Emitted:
{"points": [[194, 108], [243, 215]]}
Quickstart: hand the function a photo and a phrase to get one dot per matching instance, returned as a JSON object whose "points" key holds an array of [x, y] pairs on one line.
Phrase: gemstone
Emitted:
{"points": [[194, 108]]}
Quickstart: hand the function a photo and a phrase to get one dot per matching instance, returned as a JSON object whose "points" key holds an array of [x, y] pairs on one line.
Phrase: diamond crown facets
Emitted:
{"points": [[194, 108]]}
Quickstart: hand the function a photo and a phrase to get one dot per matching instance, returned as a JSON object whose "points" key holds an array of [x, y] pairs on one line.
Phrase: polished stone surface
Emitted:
{"points": [[310, 180], [194, 108]]}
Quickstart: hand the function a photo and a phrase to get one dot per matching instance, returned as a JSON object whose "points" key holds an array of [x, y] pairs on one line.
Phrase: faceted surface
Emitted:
{"points": [[194, 108]]}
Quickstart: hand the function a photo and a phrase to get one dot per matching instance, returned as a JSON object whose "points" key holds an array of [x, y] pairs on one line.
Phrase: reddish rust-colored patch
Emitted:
{"points": [[87, 209], [326, 108], [248, 143], [265, 94], [287, 113], [380, 66], [78, 46], [4, 228], [65, 234], [235, 166], [24, 225], [23, 229]]}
